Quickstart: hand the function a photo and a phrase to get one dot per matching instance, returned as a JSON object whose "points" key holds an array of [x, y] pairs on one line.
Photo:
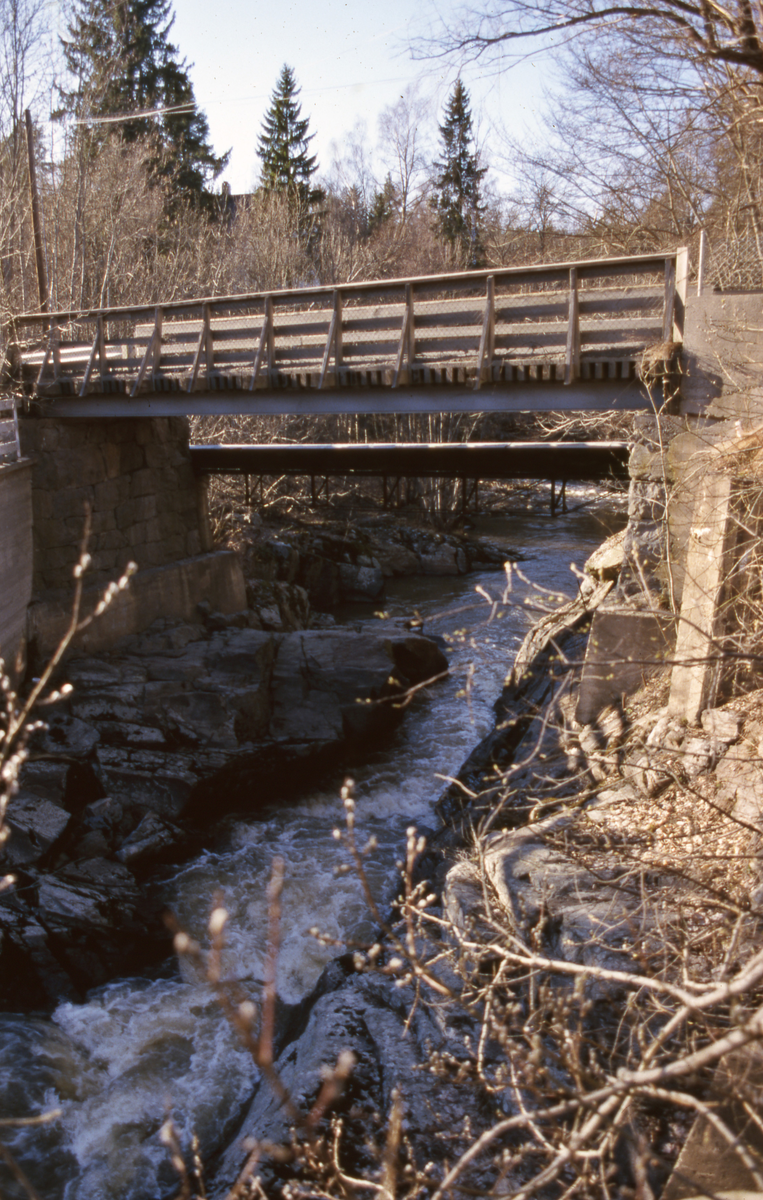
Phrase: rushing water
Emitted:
{"points": [[140, 1050]]}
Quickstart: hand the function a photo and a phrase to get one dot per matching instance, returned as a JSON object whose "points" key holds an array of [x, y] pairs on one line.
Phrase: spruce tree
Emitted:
{"points": [[457, 201], [287, 165], [121, 58], [385, 206]]}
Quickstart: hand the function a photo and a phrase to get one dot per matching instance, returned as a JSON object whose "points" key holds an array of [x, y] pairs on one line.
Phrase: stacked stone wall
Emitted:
{"points": [[134, 476]]}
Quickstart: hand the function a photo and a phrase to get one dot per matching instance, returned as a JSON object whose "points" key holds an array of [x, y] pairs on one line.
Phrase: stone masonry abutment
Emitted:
{"points": [[146, 505], [136, 479]]}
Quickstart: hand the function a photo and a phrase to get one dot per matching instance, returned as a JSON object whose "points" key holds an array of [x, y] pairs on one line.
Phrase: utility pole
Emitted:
{"points": [[42, 282]]}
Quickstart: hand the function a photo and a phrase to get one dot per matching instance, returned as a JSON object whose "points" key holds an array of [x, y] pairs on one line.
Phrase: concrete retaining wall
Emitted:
{"points": [[723, 356], [172, 591], [625, 647]]}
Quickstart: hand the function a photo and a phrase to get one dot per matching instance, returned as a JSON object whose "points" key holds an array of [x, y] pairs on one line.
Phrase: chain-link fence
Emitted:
{"points": [[729, 262], [732, 264]]}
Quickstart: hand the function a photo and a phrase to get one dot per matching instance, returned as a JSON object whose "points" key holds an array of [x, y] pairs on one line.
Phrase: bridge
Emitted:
{"points": [[596, 335], [462, 460], [469, 462], [577, 335]]}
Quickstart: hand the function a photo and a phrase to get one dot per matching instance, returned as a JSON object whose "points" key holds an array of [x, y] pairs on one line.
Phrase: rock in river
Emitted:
{"points": [[173, 730]]}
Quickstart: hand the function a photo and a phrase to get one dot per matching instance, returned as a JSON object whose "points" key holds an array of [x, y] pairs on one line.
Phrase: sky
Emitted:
{"points": [[351, 60]]}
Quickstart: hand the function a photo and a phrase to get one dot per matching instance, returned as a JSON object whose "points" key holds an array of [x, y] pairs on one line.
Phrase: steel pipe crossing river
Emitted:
{"points": [[558, 461]]}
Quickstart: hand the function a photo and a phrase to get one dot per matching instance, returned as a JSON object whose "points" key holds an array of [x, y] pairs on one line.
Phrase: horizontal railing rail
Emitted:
{"points": [[558, 323]]}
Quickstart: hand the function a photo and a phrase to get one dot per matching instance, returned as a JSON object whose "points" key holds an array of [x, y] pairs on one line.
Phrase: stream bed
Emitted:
{"points": [[141, 1050]]}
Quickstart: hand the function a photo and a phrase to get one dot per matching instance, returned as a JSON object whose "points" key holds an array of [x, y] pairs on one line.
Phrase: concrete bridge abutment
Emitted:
{"points": [[689, 593]]}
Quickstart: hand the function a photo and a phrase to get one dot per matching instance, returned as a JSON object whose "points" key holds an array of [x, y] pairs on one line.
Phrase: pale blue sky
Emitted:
{"points": [[350, 58]]}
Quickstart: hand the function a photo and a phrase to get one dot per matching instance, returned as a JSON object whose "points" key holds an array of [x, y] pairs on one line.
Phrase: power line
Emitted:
{"points": [[329, 87], [175, 110]]}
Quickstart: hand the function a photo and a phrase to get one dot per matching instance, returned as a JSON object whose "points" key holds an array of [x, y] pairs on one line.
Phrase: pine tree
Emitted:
{"points": [[457, 201], [120, 55], [287, 165]]}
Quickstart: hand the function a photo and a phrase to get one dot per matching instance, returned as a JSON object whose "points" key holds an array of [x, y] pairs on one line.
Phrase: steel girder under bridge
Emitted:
{"points": [[471, 462], [465, 460]]}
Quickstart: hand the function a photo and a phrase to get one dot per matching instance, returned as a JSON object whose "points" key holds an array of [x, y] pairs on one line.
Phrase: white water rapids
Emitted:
{"points": [[140, 1050]]}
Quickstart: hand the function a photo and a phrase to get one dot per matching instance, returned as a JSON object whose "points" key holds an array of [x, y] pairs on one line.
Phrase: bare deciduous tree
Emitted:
{"points": [[687, 29], [404, 133]]}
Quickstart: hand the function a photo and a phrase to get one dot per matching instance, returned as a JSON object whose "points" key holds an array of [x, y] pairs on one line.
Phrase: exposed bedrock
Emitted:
{"points": [[157, 742], [353, 564], [391, 1038]]}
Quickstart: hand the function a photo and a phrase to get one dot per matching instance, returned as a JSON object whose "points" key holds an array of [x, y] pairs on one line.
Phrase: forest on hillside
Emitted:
{"points": [[653, 135]]}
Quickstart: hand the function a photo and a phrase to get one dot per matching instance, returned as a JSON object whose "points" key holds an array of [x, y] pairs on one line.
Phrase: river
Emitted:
{"points": [[140, 1050]]}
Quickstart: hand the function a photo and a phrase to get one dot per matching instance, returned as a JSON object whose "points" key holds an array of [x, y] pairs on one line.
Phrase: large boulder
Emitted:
{"points": [[396, 559], [548, 899], [363, 582], [445, 560], [333, 685], [171, 714], [96, 894], [37, 816], [34, 825], [391, 1039]]}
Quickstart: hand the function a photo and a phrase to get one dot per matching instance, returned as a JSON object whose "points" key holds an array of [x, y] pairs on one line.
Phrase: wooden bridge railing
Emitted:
{"points": [[560, 322]]}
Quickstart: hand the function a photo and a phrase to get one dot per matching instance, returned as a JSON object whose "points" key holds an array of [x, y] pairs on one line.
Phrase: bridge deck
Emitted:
{"points": [[568, 335]]}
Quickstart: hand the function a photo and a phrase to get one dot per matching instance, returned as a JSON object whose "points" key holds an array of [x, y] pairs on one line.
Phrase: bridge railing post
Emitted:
{"points": [[572, 351], [205, 347], [156, 341], [101, 339], [270, 338], [52, 350], [209, 345], [338, 310], [682, 284], [670, 297], [411, 348], [334, 339], [153, 353], [487, 340], [265, 347], [701, 262], [407, 345], [98, 351]]}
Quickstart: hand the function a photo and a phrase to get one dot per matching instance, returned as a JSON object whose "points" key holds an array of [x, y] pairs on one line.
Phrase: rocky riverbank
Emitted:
{"points": [[157, 743], [332, 562], [575, 865], [186, 723], [584, 877]]}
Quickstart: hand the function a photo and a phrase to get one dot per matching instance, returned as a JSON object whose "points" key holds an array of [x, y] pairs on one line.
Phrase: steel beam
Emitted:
{"points": [[594, 395], [465, 460]]}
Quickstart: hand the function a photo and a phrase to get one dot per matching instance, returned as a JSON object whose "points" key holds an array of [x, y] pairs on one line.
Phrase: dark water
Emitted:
{"points": [[139, 1051]]}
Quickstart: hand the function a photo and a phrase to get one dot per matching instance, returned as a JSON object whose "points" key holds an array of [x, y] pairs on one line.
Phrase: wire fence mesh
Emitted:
{"points": [[732, 261]]}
